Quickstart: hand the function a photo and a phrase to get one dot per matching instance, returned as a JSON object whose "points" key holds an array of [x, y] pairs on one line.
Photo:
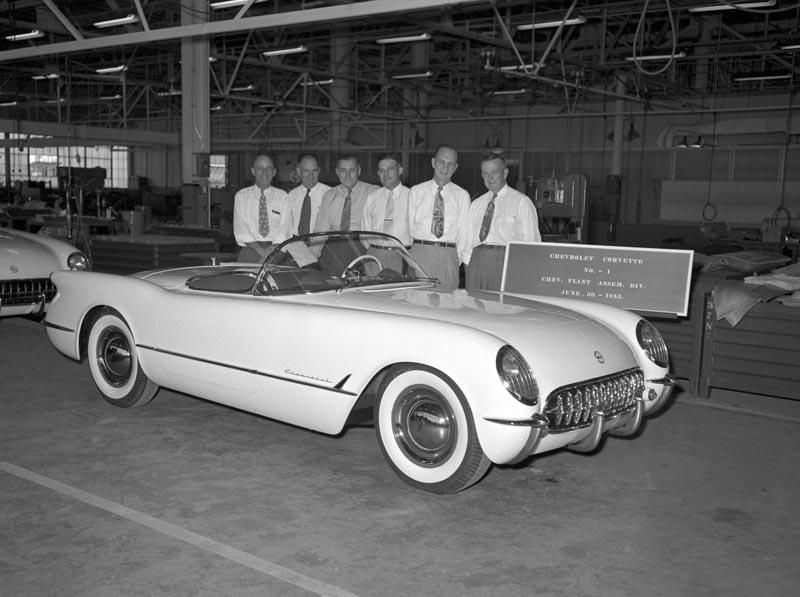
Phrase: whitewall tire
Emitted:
{"points": [[426, 432], [114, 363]]}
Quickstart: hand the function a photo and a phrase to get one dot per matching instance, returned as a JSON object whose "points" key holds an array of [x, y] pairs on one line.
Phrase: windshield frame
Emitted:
{"points": [[308, 260]]}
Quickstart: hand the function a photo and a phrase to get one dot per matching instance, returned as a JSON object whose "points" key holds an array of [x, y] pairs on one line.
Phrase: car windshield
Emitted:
{"points": [[337, 260]]}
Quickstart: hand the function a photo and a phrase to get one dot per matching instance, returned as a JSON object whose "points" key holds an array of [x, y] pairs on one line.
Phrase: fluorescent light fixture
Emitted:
{"points": [[55, 101], [111, 97], [230, 3], [763, 77], [552, 24], [284, 51], [791, 47], [243, 88], [216, 108], [312, 83], [47, 76], [23, 36], [423, 75], [509, 92], [212, 59], [520, 67], [111, 69], [655, 57], [403, 39], [720, 6], [170, 92], [8, 104], [126, 20]]}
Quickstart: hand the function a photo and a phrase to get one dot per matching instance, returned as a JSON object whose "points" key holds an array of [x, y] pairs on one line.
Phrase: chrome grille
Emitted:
{"points": [[26, 292], [575, 406]]}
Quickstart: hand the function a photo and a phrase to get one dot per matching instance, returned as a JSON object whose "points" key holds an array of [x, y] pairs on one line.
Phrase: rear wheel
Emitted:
{"points": [[114, 363], [425, 429]]}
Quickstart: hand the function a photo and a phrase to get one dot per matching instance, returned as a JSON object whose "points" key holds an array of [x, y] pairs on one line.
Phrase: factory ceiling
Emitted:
{"points": [[114, 63]]}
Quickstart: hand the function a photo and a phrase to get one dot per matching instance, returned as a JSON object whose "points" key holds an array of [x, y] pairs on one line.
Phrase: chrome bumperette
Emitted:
{"points": [[578, 405], [29, 291], [538, 429]]}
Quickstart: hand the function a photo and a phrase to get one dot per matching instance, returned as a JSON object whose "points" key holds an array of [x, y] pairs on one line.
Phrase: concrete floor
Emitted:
{"points": [[185, 497]]}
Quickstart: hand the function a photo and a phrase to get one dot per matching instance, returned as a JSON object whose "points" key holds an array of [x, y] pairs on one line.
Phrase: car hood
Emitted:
{"points": [[546, 334], [21, 257]]}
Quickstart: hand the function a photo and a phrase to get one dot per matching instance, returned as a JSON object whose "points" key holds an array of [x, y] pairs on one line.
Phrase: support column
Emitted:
{"points": [[195, 118]]}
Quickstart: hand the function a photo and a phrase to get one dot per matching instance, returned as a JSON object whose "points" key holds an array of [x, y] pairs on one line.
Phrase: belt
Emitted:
{"points": [[491, 247], [434, 243]]}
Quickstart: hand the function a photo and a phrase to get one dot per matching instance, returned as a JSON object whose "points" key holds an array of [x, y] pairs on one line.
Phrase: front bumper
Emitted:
{"points": [[611, 417]]}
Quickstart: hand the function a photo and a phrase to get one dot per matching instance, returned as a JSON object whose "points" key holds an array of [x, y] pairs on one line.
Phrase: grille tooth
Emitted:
{"points": [[573, 407], [26, 291]]}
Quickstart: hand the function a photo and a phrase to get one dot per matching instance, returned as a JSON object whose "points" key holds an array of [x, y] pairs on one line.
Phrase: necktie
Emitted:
{"points": [[305, 215], [388, 216], [345, 223], [486, 224], [263, 215], [437, 222]]}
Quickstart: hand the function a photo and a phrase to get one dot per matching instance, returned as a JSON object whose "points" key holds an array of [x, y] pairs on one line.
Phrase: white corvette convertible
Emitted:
{"points": [[335, 323]]}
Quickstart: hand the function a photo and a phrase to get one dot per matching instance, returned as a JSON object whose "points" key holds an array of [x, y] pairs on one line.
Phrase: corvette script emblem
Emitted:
{"points": [[599, 356]]}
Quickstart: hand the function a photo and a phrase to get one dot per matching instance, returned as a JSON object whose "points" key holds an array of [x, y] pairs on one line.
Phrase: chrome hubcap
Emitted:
{"points": [[114, 357], [424, 426]]}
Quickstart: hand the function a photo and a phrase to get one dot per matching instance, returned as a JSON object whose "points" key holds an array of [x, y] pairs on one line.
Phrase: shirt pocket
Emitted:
{"points": [[508, 225]]}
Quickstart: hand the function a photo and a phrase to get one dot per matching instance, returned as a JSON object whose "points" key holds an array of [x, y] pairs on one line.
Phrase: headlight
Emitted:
{"points": [[78, 262], [652, 343], [517, 376]]}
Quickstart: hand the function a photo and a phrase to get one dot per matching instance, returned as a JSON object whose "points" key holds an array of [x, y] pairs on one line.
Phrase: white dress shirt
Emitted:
{"points": [[375, 216], [330, 210], [515, 219], [295, 199], [421, 198], [245, 215]]}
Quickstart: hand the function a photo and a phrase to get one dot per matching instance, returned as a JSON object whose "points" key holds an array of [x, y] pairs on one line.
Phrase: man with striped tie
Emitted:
{"points": [[499, 216], [305, 199], [437, 218], [260, 214]]}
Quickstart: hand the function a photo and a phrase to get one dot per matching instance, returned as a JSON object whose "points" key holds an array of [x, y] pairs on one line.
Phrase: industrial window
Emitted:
{"points": [[218, 171]]}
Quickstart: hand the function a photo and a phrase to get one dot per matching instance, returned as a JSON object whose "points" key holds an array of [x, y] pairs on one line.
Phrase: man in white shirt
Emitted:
{"points": [[304, 200], [499, 216], [437, 216], [386, 210], [260, 214], [342, 206]]}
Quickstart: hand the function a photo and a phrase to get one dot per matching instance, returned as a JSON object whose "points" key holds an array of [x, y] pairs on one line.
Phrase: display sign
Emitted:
{"points": [[635, 278]]}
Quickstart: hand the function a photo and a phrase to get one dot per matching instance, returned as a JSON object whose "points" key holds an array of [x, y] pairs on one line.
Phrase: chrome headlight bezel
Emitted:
{"points": [[652, 343], [517, 376], [78, 262]]}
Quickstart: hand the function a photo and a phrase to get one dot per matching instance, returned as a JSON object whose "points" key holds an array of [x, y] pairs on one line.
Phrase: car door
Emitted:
{"points": [[207, 344]]}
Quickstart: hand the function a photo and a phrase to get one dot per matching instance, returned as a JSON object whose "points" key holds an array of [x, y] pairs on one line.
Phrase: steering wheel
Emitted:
{"points": [[359, 259]]}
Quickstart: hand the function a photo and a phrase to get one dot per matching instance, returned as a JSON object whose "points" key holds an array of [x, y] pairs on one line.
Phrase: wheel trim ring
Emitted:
{"points": [[114, 358], [424, 426]]}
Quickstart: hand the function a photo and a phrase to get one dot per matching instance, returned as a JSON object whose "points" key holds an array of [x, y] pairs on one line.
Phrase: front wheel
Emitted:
{"points": [[426, 432], [114, 363]]}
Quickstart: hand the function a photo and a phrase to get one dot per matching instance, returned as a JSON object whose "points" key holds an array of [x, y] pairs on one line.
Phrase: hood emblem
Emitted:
{"points": [[599, 356], [14, 269]]}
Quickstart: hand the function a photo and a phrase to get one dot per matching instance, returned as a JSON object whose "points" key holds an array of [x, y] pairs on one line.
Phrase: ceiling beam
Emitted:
{"points": [[270, 21]]}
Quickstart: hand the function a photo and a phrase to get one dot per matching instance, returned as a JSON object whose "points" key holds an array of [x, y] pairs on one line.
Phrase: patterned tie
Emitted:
{"points": [[345, 223], [263, 215], [305, 214], [437, 223], [388, 216], [487, 219]]}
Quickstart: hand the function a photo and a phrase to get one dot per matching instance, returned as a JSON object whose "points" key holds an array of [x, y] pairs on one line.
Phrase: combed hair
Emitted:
{"points": [[488, 157]]}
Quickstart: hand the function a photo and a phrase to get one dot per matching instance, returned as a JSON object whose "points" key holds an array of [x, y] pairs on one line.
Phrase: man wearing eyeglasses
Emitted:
{"points": [[261, 216], [305, 199]]}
